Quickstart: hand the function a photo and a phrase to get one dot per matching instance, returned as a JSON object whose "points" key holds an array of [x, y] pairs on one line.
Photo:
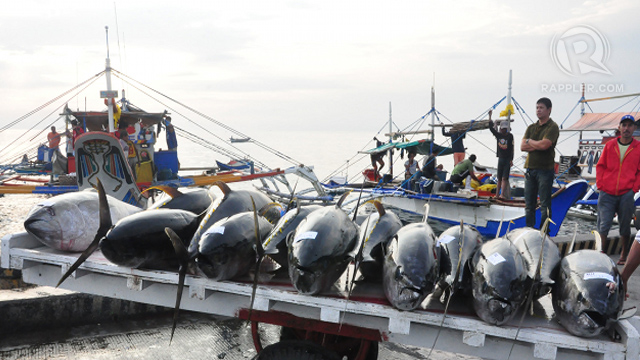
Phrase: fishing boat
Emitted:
{"points": [[450, 203], [98, 154], [492, 217]]}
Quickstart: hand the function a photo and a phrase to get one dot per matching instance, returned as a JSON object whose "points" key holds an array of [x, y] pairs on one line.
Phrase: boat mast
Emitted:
{"points": [[109, 94], [433, 116], [582, 101], [390, 141], [509, 101]]}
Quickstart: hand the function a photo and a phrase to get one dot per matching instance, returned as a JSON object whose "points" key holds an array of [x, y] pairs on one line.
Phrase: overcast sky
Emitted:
{"points": [[331, 64]]}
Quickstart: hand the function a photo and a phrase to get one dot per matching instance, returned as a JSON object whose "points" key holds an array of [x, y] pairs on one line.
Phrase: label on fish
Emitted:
{"points": [[445, 240], [215, 229], [496, 259], [307, 235], [46, 203], [598, 275]]}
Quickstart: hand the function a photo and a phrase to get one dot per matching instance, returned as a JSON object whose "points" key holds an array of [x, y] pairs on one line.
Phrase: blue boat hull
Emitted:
{"points": [[485, 215]]}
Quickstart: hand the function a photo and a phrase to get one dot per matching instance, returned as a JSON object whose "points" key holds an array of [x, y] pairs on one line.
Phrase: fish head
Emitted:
{"points": [[401, 291], [320, 249], [588, 295], [60, 223], [499, 281], [306, 281]]}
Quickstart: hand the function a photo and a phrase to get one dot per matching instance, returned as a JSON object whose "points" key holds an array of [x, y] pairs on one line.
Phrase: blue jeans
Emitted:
{"points": [[537, 182], [609, 205]]}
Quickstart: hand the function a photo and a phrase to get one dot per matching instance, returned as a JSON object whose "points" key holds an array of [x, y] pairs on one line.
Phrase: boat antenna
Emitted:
{"points": [[509, 101], [433, 113], [582, 101], [109, 96], [390, 141]]}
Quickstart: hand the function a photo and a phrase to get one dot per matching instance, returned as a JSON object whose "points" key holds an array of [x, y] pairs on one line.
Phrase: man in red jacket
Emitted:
{"points": [[618, 179]]}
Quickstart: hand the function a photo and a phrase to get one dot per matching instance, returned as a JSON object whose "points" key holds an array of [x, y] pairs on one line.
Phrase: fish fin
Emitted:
{"points": [[628, 313], [260, 252], [84, 256], [103, 229], [573, 241], [426, 213], [292, 199], [223, 187], [598, 240], [342, 198], [451, 289], [536, 281], [379, 207], [183, 256], [169, 190]]}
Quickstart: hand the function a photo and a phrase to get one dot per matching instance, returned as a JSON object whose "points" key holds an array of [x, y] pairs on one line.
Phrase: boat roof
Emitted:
{"points": [[600, 121], [98, 120], [422, 147]]}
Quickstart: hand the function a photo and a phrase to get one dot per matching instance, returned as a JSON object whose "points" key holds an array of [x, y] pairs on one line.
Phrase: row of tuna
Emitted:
{"points": [[226, 238]]}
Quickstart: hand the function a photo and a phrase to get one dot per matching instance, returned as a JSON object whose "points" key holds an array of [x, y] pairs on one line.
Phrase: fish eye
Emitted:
{"points": [[398, 273], [50, 210]]}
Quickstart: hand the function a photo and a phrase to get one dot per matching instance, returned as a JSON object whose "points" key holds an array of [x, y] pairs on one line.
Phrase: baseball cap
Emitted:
{"points": [[627, 118], [504, 125]]}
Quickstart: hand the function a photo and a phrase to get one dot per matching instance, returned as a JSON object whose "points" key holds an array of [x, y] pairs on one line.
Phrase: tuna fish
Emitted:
{"points": [[275, 244], [138, 240], [195, 200], [529, 243], [69, 222], [227, 249], [410, 269], [499, 281], [457, 245], [588, 294], [375, 233], [233, 202], [321, 248]]}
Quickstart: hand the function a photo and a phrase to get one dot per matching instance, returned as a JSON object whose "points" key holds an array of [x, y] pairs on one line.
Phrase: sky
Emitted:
{"points": [[268, 65]]}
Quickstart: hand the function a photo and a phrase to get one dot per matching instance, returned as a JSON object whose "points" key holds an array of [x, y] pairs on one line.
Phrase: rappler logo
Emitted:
{"points": [[580, 50]]}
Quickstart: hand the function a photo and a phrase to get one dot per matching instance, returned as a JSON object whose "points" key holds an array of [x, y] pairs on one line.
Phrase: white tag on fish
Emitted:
{"points": [[446, 239], [496, 259], [215, 229], [598, 275], [46, 203], [307, 235]]}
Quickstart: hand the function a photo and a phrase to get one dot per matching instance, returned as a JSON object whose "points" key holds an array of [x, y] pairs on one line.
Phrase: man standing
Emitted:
{"points": [[504, 152], [539, 141], [456, 144], [54, 142], [377, 158], [618, 179]]}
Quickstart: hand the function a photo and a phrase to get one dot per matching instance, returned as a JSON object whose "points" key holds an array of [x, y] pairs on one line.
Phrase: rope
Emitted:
{"points": [[86, 84], [18, 120], [226, 127]]}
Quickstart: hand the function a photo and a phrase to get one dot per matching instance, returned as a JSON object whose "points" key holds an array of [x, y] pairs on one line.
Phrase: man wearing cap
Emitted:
{"points": [[618, 179], [464, 169], [539, 141], [504, 152]]}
